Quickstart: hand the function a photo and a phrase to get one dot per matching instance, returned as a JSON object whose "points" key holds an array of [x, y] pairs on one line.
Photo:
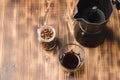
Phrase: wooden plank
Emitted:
{"points": [[1, 33], [22, 57], [8, 64], [1, 29]]}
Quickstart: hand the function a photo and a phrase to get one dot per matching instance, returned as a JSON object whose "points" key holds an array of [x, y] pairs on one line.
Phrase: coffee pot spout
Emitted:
{"points": [[77, 17]]}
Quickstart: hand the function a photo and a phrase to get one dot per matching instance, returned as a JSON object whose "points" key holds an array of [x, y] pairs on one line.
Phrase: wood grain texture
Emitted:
{"points": [[22, 57]]}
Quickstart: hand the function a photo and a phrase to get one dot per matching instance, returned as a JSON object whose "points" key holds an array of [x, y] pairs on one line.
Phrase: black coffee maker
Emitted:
{"points": [[92, 16]]}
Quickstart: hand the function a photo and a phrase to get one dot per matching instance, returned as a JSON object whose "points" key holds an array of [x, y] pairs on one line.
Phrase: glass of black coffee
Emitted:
{"points": [[71, 57]]}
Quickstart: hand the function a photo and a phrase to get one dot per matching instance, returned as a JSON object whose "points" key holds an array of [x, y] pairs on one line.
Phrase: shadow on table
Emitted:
{"points": [[81, 71], [57, 48], [112, 37]]}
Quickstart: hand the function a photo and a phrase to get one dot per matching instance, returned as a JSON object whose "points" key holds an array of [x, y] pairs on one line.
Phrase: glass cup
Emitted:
{"points": [[71, 57], [46, 35]]}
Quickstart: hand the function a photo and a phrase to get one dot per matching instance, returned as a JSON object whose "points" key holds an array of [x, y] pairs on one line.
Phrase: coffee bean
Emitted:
{"points": [[47, 33]]}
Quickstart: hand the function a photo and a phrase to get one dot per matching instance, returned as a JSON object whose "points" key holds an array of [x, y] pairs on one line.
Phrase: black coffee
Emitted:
{"points": [[70, 61]]}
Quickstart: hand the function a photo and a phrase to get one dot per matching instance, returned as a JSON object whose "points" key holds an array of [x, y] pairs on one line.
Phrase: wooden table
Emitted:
{"points": [[22, 57]]}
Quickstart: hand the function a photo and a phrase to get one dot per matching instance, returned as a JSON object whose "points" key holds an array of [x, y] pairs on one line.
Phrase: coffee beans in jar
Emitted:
{"points": [[46, 35]]}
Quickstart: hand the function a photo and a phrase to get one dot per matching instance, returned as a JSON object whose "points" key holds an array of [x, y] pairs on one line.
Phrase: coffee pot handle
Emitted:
{"points": [[117, 2]]}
